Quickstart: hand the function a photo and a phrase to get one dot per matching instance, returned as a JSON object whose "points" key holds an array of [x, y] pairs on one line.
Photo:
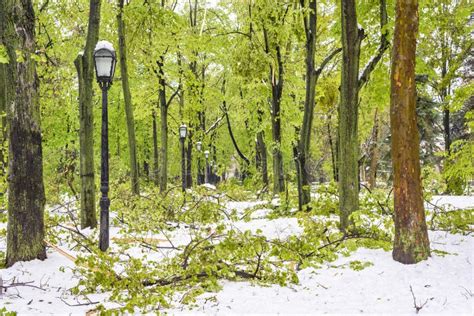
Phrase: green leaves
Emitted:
{"points": [[3, 55]]}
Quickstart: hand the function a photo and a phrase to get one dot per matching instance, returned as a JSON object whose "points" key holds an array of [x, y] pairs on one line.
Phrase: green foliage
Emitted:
{"points": [[453, 221], [3, 55], [327, 200], [460, 166], [433, 181], [5, 312], [357, 265], [143, 277]]}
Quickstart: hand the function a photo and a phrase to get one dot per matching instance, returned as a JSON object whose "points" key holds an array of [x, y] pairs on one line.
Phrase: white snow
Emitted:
{"points": [[384, 288], [452, 201], [104, 45], [444, 281]]}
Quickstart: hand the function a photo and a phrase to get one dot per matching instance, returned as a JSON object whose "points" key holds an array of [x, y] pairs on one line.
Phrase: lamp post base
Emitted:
{"points": [[104, 224]]}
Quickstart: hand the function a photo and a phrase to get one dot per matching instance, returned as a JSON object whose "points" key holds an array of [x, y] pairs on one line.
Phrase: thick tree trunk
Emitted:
{"points": [[348, 114], [26, 197], [132, 147], [411, 242], [85, 73]]}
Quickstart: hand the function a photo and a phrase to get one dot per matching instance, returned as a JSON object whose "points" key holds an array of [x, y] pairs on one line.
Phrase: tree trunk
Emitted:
{"points": [[132, 147], [411, 242], [302, 153], [374, 152], [277, 91], [85, 73], [348, 114], [3, 118], [155, 172], [262, 152], [189, 161], [163, 125], [26, 197], [333, 151]]}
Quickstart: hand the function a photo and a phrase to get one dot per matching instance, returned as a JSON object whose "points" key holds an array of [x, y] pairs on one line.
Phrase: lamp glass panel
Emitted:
{"points": [[104, 62]]}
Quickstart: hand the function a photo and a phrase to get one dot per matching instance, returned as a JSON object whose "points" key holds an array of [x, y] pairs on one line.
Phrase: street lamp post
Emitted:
{"points": [[206, 176], [183, 130], [104, 62], [199, 173]]}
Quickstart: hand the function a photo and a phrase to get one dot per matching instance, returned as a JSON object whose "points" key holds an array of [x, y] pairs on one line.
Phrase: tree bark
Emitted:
{"points": [[333, 151], [276, 78], [348, 114], [26, 197], [189, 160], [374, 152], [132, 147], [3, 118], [163, 125], [85, 73], [155, 173], [302, 152], [411, 242], [262, 160]]}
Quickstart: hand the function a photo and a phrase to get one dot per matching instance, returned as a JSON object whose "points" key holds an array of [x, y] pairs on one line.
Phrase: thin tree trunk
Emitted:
{"points": [[411, 242], [333, 151], [155, 172], [132, 145], [277, 91], [3, 118], [26, 197], [163, 125], [85, 73], [374, 152], [189, 161], [262, 152], [348, 114], [302, 152]]}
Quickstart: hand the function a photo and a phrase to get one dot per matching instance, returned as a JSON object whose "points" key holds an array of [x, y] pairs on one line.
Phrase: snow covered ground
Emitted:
{"points": [[443, 284]]}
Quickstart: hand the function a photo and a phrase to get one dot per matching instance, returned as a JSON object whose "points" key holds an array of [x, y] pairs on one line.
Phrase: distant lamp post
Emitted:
{"points": [[104, 62], [183, 131], [199, 173], [206, 176]]}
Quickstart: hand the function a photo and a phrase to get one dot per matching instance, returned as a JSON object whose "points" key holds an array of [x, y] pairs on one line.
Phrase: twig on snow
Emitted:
{"points": [[417, 307]]}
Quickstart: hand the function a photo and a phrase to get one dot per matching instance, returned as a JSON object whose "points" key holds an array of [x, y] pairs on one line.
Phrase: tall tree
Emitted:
{"points": [[3, 116], [85, 73], [348, 107], [132, 147], [351, 84], [276, 75], [301, 151], [26, 197], [411, 242]]}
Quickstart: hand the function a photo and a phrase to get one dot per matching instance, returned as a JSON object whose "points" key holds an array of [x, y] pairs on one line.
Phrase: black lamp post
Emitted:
{"points": [[199, 173], [183, 131], [104, 61], [206, 176]]}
